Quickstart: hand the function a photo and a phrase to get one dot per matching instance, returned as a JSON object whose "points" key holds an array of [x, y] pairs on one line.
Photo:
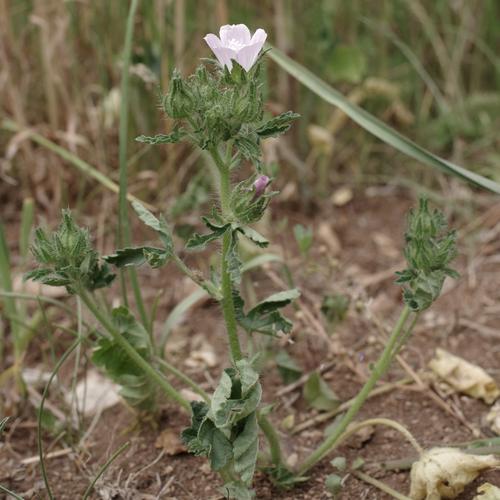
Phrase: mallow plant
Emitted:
{"points": [[220, 110]]}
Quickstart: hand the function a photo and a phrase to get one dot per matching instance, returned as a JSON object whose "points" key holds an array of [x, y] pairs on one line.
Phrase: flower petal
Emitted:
{"points": [[223, 54], [238, 32], [247, 56], [259, 36]]}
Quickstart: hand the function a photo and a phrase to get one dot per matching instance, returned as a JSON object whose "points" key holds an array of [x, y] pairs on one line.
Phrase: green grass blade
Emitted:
{"points": [[72, 159], [375, 126], [9, 303], [27, 216], [123, 223], [102, 470]]}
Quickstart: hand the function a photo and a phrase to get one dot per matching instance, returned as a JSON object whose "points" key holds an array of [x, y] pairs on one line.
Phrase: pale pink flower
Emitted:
{"points": [[260, 185], [236, 43]]}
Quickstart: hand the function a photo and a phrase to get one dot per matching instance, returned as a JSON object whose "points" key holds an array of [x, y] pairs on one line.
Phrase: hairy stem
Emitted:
{"points": [[149, 370], [227, 290], [379, 369]]}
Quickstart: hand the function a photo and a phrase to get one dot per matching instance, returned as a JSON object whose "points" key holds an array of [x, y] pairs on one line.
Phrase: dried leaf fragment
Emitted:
{"points": [[170, 441], [488, 492], [444, 473], [493, 418], [464, 376]]}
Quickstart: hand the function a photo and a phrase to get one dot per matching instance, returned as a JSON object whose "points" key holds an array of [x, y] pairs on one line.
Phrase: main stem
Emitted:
{"points": [[378, 370], [227, 289], [149, 370]]}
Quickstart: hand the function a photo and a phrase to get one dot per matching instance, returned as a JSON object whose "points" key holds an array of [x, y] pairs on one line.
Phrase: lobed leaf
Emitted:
{"points": [[200, 241], [136, 388], [254, 236], [175, 136], [158, 225], [278, 125], [137, 256], [245, 449]]}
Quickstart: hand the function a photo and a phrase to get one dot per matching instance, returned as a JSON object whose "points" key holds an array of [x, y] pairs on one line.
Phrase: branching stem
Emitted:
{"points": [[378, 371]]}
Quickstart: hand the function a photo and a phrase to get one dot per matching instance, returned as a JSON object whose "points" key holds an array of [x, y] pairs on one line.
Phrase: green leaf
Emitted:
{"points": [[254, 236], [287, 366], [158, 225], [219, 403], [175, 136], [304, 238], [265, 317], [137, 256], [333, 484], [347, 63], [136, 388], [248, 376], [189, 435], [200, 241], [234, 262], [278, 125], [375, 126], [249, 147], [245, 449], [238, 491], [47, 277], [318, 393], [283, 477]]}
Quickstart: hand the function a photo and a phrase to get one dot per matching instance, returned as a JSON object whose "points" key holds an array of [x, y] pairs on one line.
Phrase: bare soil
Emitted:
{"points": [[465, 321]]}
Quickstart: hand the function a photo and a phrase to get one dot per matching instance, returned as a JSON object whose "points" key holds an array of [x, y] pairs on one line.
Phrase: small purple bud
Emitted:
{"points": [[260, 185]]}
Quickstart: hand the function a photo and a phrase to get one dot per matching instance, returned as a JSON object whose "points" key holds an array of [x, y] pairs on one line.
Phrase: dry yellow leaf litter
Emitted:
{"points": [[464, 376], [444, 473], [493, 419], [488, 492]]}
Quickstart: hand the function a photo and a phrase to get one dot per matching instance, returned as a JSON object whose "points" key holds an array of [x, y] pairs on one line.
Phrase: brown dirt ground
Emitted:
{"points": [[465, 321]]}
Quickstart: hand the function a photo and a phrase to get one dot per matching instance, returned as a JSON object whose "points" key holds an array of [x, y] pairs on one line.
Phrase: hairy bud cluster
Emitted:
{"points": [[429, 250]]}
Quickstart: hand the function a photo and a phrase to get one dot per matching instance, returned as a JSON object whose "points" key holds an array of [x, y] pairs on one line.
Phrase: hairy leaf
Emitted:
{"points": [[265, 316], [245, 449], [278, 125], [249, 148], [47, 277], [137, 256], [237, 491], [234, 262], [254, 236], [136, 388], [158, 225], [318, 393], [174, 136], [200, 241]]}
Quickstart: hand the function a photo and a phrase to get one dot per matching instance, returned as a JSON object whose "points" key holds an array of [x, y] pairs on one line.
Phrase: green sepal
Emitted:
{"points": [[47, 277]]}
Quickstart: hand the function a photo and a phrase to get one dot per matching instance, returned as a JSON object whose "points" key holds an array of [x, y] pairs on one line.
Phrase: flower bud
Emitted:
{"points": [[260, 185], [179, 101], [249, 199]]}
